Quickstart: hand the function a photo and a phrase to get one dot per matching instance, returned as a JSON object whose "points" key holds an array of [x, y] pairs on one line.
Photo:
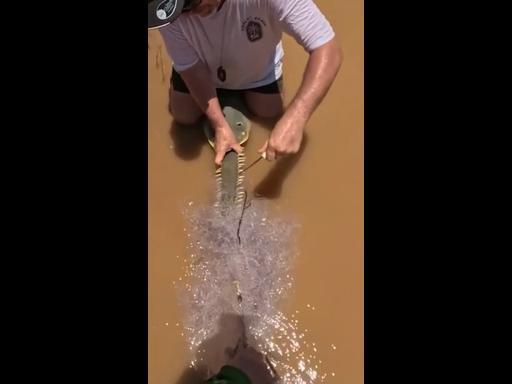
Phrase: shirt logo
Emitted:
{"points": [[253, 27], [253, 30]]}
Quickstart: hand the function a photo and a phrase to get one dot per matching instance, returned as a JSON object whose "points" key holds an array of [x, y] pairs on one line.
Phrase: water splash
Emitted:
{"points": [[246, 281], [221, 269]]}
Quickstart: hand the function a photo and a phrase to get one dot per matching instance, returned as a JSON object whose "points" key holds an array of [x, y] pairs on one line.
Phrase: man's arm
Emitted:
{"points": [[321, 69], [323, 64], [198, 80], [197, 76]]}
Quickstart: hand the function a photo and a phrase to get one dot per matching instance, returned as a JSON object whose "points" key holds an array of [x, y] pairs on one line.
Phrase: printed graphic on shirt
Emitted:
{"points": [[253, 27]]}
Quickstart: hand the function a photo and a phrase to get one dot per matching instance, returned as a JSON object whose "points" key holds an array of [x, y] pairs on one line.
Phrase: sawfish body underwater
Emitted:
{"points": [[239, 268]]}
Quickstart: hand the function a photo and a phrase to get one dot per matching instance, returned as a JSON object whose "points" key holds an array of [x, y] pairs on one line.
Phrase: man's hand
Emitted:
{"points": [[224, 142], [199, 82], [321, 69], [285, 138]]}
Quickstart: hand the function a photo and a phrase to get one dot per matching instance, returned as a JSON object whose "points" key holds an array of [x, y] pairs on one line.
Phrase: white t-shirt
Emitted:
{"points": [[244, 37]]}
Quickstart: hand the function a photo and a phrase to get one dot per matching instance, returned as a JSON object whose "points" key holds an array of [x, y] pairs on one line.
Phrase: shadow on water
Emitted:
{"points": [[271, 186], [228, 347], [191, 376], [188, 140]]}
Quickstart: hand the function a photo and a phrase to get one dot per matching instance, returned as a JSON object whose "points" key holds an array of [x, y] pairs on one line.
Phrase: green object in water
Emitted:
{"points": [[229, 375]]}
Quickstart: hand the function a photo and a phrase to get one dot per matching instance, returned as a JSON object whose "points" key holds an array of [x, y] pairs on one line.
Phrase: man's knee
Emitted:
{"points": [[266, 106], [268, 112]]}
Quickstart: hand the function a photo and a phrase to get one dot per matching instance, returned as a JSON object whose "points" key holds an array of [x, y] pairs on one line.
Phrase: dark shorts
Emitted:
{"points": [[273, 88]]}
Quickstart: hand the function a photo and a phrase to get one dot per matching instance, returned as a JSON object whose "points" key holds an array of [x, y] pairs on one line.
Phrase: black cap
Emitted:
{"points": [[163, 12]]}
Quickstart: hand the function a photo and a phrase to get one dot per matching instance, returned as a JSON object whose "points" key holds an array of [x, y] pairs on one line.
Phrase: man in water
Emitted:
{"points": [[236, 45]]}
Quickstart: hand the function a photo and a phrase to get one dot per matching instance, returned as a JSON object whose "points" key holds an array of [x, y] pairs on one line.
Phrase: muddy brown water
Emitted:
{"points": [[323, 190]]}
